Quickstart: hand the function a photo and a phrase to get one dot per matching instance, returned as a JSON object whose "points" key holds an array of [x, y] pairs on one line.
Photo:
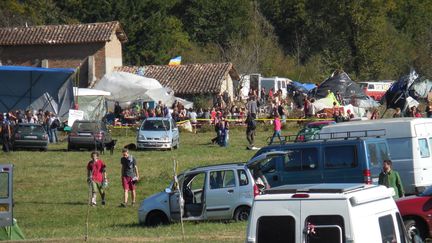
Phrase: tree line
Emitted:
{"points": [[302, 39]]}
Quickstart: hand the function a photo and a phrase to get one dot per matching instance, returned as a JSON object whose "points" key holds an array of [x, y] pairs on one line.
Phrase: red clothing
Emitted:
{"points": [[128, 183], [277, 124], [213, 115], [97, 168], [418, 115]]}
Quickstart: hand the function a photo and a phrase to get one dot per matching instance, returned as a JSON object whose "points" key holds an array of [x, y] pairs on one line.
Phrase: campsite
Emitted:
{"points": [[168, 121]]}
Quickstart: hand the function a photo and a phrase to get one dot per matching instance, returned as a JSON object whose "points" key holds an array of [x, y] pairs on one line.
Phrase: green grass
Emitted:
{"points": [[50, 190]]}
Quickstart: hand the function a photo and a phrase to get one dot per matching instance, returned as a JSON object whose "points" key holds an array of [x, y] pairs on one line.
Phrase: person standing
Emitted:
{"points": [[5, 132], [130, 176], [96, 177], [277, 129], [250, 131], [54, 124], [390, 178]]}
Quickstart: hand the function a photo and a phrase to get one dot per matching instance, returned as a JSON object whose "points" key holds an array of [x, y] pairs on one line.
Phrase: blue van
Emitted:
{"points": [[356, 160]]}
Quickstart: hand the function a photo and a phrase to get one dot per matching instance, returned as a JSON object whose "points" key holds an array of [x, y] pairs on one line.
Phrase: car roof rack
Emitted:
{"points": [[369, 133], [316, 188]]}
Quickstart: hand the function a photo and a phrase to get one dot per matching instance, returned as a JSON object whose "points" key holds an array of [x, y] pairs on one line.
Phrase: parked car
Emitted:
{"points": [[333, 213], [350, 160], [89, 135], [310, 130], [29, 136], [416, 212], [158, 132], [410, 143], [211, 192]]}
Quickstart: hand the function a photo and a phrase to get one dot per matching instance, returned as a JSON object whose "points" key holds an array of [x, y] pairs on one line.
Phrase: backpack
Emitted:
{"points": [[55, 124]]}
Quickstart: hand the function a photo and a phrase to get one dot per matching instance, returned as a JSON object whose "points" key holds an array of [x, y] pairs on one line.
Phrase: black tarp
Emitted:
{"points": [[340, 81], [36, 88], [398, 93]]}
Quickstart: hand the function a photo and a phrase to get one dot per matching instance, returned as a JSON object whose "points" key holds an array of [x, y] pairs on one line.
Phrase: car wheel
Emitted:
{"points": [[177, 145], [43, 149], [156, 218], [69, 148], [242, 213], [414, 228]]}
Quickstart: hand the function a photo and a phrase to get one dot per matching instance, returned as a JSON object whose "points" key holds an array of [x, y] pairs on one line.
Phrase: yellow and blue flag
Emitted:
{"points": [[175, 61]]}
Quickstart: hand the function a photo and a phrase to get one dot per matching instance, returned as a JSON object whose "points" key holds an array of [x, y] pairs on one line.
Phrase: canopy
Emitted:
{"points": [[127, 87], [91, 102], [49, 89]]}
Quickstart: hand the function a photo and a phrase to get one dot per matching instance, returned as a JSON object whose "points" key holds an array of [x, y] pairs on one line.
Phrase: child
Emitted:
{"points": [[277, 129]]}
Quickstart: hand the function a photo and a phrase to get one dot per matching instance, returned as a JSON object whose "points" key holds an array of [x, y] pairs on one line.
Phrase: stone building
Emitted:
{"points": [[93, 49]]}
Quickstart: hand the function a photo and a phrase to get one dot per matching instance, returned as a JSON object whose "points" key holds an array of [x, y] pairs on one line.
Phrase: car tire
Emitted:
{"points": [[415, 228], [70, 148], [242, 213], [177, 145], [156, 218]]}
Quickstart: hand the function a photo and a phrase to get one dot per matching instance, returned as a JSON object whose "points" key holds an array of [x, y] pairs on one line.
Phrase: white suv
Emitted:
{"points": [[326, 213]]}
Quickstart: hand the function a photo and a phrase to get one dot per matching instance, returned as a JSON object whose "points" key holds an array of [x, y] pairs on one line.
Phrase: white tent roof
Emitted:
{"points": [[89, 92], [125, 87]]}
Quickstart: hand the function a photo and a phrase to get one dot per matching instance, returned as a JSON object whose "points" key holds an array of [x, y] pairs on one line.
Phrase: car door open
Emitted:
{"points": [[6, 195]]}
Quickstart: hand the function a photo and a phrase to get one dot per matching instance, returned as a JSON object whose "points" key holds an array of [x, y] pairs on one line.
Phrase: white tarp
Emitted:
{"points": [[126, 87], [89, 92], [91, 102]]}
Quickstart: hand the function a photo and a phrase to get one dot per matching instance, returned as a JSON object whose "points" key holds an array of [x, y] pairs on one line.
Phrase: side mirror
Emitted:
{"points": [[168, 190]]}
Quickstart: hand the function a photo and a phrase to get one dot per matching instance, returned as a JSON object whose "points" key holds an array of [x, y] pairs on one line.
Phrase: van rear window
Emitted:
{"points": [[325, 228], [276, 229], [340, 157], [387, 228]]}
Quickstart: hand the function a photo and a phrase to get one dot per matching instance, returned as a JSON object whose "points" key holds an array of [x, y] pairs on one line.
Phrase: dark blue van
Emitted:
{"points": [[356, 160]]}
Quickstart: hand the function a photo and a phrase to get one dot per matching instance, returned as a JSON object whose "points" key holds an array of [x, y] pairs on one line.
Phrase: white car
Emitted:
{"points": [[159, 133]]}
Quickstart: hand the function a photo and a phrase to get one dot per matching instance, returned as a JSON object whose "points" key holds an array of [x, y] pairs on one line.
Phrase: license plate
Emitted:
{"points": [[31, 137], [84, 134]]}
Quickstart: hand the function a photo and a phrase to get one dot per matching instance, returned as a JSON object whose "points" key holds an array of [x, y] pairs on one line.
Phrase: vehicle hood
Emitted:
{"points": [[155, 134], [156, 198]]}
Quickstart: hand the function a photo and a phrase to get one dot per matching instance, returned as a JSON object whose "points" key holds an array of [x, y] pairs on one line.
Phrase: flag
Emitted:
{"points": [[175, 61]]}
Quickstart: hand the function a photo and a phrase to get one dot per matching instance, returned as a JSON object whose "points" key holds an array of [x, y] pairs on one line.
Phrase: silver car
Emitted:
{"points": [[212, 192], [158, 132]]}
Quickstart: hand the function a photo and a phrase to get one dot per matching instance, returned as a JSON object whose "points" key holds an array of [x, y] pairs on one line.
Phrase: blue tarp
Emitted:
{"points": [[36, 88], [307, 86]]}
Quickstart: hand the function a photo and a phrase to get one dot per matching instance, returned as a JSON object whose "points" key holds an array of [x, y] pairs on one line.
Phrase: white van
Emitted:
{"points": [[330, 213], [409, 141]]}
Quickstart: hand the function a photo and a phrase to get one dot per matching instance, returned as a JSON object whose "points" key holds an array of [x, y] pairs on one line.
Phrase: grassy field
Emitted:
{"points": [[51, 190]]}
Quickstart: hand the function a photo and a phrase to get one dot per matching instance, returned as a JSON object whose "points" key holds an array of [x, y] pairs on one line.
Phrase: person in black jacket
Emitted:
{"points": [[250, 131]]}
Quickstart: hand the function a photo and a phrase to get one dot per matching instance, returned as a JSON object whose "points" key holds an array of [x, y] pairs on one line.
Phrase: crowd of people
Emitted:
{"points": [[45, 118]]}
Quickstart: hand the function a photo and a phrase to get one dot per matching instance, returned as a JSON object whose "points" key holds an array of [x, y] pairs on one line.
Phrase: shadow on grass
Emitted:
{"points": [[52, 203]]}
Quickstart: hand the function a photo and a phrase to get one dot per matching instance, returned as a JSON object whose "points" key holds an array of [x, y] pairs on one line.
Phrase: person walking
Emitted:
{"points": [[390, 178], [277, 129], [250, 131], [96, 177], [130, 176]]}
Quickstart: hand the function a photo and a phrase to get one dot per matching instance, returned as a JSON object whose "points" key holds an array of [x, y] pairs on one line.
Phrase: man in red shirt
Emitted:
{"points": [[96, 177]]}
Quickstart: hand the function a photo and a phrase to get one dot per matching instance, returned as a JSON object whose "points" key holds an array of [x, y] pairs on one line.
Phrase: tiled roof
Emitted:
{"points": [[61, 34], [189, 78]]}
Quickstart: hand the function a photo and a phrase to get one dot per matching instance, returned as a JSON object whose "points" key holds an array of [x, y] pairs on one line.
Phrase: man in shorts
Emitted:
{"points": [[130, 176], [96, 177]]}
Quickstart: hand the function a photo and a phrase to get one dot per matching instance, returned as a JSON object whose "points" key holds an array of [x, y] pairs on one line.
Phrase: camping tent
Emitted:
{"points": [[92, 102], [127, 87], [349, 91], [49, 89]]}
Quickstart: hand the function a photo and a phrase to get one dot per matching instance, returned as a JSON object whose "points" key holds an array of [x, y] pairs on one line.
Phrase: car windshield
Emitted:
{"points": [[30, 129], [155, 125], [84, 126]]}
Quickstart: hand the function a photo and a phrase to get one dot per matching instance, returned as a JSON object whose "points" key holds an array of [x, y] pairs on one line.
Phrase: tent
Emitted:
{"points": [[127, 88], [349, 91], [49, 89], [92, 102]]}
